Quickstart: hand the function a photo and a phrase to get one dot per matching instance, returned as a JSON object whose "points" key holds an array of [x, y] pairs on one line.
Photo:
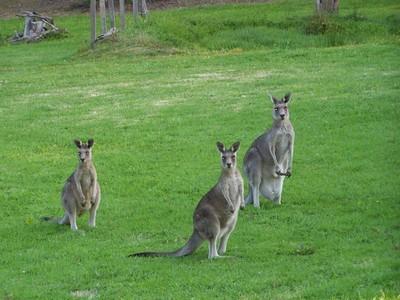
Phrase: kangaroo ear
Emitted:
{"points": [[287, 97], [235, 147], [78, 143], [90, 143], [273, 99], [220, 147]]}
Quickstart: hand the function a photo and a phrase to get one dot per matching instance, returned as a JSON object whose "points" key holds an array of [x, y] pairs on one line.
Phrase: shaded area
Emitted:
{"points": [[8, 8]]}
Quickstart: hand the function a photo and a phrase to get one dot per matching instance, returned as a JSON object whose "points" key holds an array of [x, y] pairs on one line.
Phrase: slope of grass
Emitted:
{"points": [[156, 118], [286, 24]]}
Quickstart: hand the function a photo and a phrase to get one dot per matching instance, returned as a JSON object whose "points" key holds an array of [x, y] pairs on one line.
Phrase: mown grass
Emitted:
{"points": [[155, 118]]}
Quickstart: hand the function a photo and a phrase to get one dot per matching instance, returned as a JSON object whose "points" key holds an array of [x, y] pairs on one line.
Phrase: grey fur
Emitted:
{"points": [[216, 214], [81, 191], [269, 159]]}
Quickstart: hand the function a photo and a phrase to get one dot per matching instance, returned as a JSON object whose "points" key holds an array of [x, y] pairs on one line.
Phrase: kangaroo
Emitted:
{"points": [[270, 157], [216, 214], [81, 191]]}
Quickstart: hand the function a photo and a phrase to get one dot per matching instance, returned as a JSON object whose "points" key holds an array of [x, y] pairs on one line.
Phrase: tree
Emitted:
{"points": [[139, 7], [327, 6]]}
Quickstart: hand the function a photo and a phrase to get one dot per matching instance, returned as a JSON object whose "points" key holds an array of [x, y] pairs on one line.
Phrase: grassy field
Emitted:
{"points": [[156, 100]]}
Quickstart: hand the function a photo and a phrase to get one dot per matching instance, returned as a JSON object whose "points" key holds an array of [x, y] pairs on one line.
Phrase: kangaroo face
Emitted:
{"points": [[281, 110], [228, 156], [84, 150]]}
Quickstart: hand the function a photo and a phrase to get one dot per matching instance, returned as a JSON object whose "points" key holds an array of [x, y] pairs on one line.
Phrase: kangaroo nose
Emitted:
{"points": [[229, 165], [282, 117], [82, 159]]}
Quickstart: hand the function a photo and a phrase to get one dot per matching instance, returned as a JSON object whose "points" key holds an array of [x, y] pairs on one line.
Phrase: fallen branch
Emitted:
{"points": [[36, 27], [106, 35]]}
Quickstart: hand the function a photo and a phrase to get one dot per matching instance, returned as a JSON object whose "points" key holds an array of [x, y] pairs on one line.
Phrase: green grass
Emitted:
{"points": [[155, 118]]}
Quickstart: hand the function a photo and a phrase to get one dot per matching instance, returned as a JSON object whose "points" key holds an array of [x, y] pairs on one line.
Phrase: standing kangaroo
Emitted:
{"points": [[269, 159], [81, 191], [216, 214]]}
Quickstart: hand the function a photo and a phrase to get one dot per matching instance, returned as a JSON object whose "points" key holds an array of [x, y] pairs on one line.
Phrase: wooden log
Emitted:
{"points": [[34, 14], [51, 25], [36, 27], [107, 35], [28, 26]]}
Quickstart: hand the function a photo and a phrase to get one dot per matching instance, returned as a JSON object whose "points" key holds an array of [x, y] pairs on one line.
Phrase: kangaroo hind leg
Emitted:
{"points": [[64, 220], [249, 197], [224, 240], [272, 190], [212, 248]]}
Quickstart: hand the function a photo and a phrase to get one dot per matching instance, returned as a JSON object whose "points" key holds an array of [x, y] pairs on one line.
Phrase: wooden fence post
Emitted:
{"points": [[92, 22], [143, 8], [111, 10], [102, 7], [135, 9], [122, 14]]}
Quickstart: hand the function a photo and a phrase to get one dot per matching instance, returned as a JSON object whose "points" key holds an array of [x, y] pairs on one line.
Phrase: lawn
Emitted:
{"points": [[156, 100]]}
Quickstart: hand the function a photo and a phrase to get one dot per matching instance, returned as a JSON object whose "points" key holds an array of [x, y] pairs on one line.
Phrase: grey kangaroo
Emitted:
{"points": [[81, 191], [216, 214], [270, 157]]}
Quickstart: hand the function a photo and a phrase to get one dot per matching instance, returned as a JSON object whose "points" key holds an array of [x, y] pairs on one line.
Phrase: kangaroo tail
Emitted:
{"points": [[50, 219], [191, 245], [57, 220]]}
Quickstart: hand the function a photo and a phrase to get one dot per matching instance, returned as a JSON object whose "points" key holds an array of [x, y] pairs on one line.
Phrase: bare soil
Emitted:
{"points": [[9, 8]]}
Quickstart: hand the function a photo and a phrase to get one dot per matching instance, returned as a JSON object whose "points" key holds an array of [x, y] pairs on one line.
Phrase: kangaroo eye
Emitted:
{"points": [[276, 109], [285, 107], [87, 152], [233, 157], [223, 158]]}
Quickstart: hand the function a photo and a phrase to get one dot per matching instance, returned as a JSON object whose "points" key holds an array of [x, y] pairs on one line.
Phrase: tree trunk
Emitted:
{"points": [[92, 22], [102, 7], [135, 9], [139, 7], [327, 6], [111, 11], [122, 14], [143, 8]]}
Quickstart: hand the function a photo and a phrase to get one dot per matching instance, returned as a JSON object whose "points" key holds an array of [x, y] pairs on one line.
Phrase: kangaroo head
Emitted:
{"points": [[228, 156], [84, 150], [280, 111]]}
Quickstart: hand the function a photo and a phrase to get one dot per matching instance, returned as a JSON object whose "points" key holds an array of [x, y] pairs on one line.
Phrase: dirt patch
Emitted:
{"points": [[9, 8], [163, 4]]}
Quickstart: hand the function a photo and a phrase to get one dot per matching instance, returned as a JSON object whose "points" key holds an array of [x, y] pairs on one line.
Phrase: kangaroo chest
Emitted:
{"points": [[86, 183], [283, 141], [231, 191]]}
